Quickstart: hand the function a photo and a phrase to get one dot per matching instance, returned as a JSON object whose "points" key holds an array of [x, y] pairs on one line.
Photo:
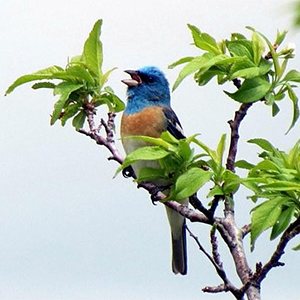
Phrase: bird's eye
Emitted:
{"points": [[150, 79], [146, 78]]}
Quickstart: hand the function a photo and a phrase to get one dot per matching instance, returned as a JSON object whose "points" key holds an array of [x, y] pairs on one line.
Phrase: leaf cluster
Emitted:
{"points": [[183, 171], [80, 86], [276, 179], [261, 74]]}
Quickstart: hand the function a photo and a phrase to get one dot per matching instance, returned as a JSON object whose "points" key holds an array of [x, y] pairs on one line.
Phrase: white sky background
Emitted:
{"points": [[67, 229]]}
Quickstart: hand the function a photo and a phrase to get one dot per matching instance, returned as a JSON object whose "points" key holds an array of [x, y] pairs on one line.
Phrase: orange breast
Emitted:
{"points": [[149, 122]]}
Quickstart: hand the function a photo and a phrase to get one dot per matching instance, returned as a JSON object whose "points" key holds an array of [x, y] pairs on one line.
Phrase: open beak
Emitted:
{"points": [[135, 79]]}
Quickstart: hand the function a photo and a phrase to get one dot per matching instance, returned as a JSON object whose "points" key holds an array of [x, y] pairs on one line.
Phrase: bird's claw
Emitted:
{"points": [[155, 193], [128, 172]]}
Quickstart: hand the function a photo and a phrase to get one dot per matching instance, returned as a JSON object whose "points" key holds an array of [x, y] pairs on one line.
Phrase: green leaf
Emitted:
{"points": [[258, 47], [190, 182], [241, 48], [267, 165], [170, 138], [242, 64], [47, 73], [270, 98], [143, 153], [263, 170], [80, 72], [297, 248], [243, 164], [215, 191], [209, 151], [204, 41], [252, 184], [292, 75], [231, 182], [147, 174], [150, 140], [283, 67], [203, 63], [114, 103], [280, 37], [251, 90], [264, 67], [77, 59], [70, 111], [218, 62], [185, 151], [282, 185], [264, 144], [79, 120], [203, 78], [246, 73], [221, 149], [119, 105], [43, 85], [105, 76], [274, 55], [294, 98], [283, 222], [275, 109], [194, 65], [64, 89], [293, 156], [181, 61], [239, 66], [237, 36], [264, 216], [92, 51]]}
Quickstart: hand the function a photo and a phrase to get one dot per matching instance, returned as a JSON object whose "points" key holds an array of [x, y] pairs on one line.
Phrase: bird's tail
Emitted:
{"points": [[178, 234]]}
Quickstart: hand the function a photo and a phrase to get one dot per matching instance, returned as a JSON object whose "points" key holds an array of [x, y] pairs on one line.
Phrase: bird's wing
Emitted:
{"points": [[173, 124]]}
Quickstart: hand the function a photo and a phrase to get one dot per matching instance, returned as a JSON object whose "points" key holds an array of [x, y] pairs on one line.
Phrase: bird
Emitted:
{"points": [[148, 113]]}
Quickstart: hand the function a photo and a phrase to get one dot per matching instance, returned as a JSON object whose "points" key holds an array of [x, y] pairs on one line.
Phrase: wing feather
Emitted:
{"points": [[173, 124]]}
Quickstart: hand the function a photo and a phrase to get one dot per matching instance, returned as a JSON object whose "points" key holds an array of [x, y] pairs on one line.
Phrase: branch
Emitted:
{"points": [[215, 260], [197, 204], [215, 250], [188, 213], [215, 203], [109, 142], [219, 222], [236, 248], [215, 289], [246, 229], [289, 233], [234, 126]]}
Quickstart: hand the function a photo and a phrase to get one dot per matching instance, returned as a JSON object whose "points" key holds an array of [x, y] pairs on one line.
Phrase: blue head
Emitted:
{"points": [[147, 86]]}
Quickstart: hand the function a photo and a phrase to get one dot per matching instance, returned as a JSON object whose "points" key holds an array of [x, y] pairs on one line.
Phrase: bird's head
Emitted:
{"points": [[147, 86]]}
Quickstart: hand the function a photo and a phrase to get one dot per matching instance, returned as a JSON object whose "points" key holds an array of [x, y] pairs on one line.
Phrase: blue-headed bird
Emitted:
{"points": [[149, 113]]}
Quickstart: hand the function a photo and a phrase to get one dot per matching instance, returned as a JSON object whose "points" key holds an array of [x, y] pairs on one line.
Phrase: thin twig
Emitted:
{"points": [[201, 248], [227, 286], [289, 233], [234, 126], [197, 204], [246, 229], [216, 289], [215, 203], [214, 244]]}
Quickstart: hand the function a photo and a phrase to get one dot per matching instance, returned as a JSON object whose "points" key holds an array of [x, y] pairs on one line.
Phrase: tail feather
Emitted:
{"points": [[178, 235], [179, 256]]}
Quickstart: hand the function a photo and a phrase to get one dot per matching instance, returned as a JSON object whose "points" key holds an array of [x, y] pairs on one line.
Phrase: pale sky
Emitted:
{"points": [[67, 229]]}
